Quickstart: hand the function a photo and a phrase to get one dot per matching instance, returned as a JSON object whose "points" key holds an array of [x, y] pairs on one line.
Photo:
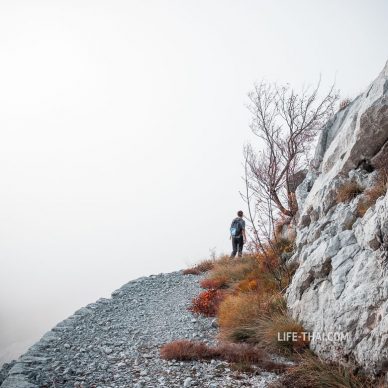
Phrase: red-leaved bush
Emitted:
{"points": [[207, 302]]}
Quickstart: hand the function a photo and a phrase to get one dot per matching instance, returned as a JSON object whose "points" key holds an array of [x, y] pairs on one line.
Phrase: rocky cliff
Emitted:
{"points": [[341, 285]]}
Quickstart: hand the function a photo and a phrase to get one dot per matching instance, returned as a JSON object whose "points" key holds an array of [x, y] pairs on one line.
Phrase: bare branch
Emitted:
{"points": [[286, 123]]}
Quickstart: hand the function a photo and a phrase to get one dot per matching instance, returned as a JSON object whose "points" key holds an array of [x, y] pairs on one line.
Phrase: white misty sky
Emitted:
{"points": [[122, 127]]}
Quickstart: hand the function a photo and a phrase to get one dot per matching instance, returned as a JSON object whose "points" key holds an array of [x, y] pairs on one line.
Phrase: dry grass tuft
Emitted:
{"points": [[348, 191], [363, 206], [203, 266], [247, 354], [257, 318], [272, 331], [185, 350], [372, 193], [312, 372], [243, 354], [235, 270], [237, 314]]}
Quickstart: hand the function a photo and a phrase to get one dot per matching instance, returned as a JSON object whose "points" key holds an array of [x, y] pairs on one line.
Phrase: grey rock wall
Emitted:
{"points": [[341, 285]]}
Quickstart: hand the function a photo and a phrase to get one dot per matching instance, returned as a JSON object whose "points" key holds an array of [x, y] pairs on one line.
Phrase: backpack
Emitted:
{"points": [[236, 228]]}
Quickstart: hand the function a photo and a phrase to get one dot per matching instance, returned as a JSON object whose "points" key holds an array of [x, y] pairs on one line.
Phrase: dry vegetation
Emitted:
{"points": [[207, 303], [246, 294], [237, 314], [271, 327], [231, 271], [247, 297], [351, 189], [348, 191], [214, 284], [185, 350], [374, 192], [254, 309], [311, 372], [201, 267]]}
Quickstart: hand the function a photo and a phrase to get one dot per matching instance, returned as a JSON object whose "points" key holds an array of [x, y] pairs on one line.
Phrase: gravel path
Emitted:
{"points": [[115, 343]]}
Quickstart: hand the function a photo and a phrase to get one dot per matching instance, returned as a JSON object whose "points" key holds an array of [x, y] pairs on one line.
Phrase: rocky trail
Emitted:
{"points": [[115, 343]]}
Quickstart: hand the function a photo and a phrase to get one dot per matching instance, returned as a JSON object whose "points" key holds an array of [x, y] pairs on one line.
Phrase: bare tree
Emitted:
{"points": [[286, 122]]}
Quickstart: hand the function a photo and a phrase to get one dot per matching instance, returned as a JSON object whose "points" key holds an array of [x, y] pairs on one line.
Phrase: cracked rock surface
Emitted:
{"points": [[341, 285], [115, 342]]}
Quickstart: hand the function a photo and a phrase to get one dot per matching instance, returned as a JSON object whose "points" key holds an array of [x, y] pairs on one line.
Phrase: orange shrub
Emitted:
{"points": [[237, 314], [207, 303], [275, 304], [247, 285]]}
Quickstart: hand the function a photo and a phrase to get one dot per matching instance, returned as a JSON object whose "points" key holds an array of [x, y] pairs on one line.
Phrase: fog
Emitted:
{"points": [[122, 127]]}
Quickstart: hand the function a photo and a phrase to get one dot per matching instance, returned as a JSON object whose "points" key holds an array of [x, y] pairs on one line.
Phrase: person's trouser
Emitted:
{"points": [[237, 243]]}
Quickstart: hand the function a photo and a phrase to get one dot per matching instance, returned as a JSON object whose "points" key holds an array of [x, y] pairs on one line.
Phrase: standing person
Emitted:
{"points": [[237, 234]]}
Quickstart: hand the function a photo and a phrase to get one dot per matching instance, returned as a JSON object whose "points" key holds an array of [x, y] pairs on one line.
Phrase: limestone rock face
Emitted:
{"points": [[340, 290]]}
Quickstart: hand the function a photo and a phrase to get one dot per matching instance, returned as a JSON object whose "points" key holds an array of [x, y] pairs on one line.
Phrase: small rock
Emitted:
{"points": [[187, 382]]}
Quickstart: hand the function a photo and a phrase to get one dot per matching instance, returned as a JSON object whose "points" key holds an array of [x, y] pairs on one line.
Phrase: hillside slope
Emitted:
{"points": [[115, 343]]}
